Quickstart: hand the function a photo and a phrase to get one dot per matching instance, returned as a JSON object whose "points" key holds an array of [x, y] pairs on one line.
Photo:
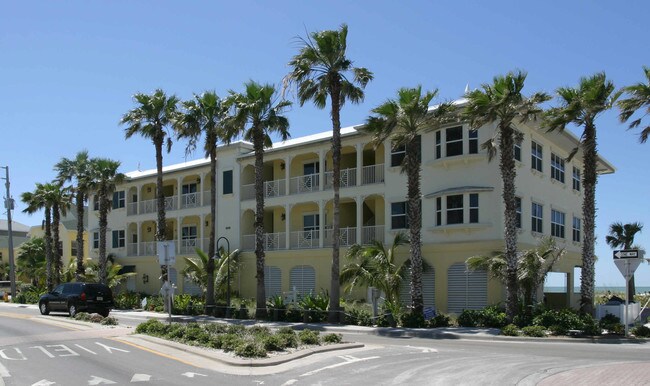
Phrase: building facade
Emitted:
{"points": [[462, 211]]}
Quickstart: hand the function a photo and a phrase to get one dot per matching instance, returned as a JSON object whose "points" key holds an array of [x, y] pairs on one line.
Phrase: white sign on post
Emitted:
{"points": [[627, 261], [627, 266], [166, 252]]}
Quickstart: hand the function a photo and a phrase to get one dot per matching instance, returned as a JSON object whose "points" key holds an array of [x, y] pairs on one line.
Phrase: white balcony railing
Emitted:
{"points": [[188, 246], [275, 188], [148, 248], [151, 206], [372, 174], [190, 200], [304, 184], [132, 249], [272, 241], [347, 236], [131, 208], [348, 178], [371, 233], [305, 239]]}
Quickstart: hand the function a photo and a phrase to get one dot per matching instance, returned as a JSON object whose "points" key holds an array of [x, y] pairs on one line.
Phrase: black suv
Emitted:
{"points": [[77, 297]]}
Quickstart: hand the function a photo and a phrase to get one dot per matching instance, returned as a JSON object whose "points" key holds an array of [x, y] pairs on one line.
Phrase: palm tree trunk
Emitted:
{"points": [[631, 291], [413, 150], [589, 217], [209, 296], [80, 236], [56, 256], [160, 198], [48, 248], [335, 289], [260, 311], [103, 224]]}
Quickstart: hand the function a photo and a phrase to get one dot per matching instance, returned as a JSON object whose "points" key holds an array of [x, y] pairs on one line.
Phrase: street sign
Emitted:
{"points": [[627, 266], [626, 254], [166, 252]]}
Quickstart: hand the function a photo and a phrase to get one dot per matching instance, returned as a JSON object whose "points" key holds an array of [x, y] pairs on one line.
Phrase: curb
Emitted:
{"points": [[228, 360]]}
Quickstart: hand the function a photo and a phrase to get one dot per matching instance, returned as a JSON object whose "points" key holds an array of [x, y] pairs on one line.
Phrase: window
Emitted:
{"points": [[95, 240], [576, 179], [518, 210], [454, 141], [536, 156], [473, 141], [438, 144], [576, 229], [517, 151], [438, 211], [188, 232], [119, 239], [473, 208], [537, 215], [227, 182], [455, 209], [398, 215], [310, 168], [95, 202], [310, 225], [73, 248], [397, 155], [557, 167], [119, 199], [188, 188], [557, 223]]}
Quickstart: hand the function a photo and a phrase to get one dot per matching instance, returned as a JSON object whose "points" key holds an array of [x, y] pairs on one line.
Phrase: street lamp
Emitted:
{"points": [[228, 276]]}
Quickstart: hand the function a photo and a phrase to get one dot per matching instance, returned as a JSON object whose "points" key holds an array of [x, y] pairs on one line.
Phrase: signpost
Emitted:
{"points": [[627, 261], [167, 257]]}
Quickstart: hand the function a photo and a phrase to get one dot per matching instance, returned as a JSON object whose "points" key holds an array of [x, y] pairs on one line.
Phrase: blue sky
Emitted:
{"points": [[68, 71]]}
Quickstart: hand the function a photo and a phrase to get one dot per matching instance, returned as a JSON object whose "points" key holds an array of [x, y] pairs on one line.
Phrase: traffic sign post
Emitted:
{"points": [[627, 261]]}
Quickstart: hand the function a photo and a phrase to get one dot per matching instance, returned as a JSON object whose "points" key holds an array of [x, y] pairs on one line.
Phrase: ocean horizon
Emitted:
{"points": [[556, 289]]}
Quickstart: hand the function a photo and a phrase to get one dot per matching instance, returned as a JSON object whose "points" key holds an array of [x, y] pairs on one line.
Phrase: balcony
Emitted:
{"points": [[190, 200], [274, 188], [151, 206], [372, 233], [347, 237], [188, 246], [348, 178], [305, 239], [304, 184], [372, 174], [149, 248], [272, 241]]}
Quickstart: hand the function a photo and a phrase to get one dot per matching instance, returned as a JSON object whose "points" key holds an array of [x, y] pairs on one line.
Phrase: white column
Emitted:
{"points": [[178, 234], [359, 148], [287, 177], [321, 222], [388, 148], [287, 223], [321, 169], [138, 233], [202, 176], [179, 182], [359, 200]]}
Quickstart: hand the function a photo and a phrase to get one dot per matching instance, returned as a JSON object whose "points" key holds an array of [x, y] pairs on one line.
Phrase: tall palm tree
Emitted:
{"points": [[258, 114], [196, 270], [61, 197], [150, 119], [639, 97], [41, 199], [581, 106], [79, 171], [622, 236], [503, 103], [375, 265], [205, 116], [402, 120], [320, 70], [107, 178]]}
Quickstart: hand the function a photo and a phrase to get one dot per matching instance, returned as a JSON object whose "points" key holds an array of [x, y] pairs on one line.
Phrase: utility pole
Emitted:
{"points": [[9, 204]]}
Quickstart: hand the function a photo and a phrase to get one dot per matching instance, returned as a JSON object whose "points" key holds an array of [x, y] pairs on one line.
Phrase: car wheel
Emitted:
{"points": [[43, 308], [104, 313], [72, 309]]}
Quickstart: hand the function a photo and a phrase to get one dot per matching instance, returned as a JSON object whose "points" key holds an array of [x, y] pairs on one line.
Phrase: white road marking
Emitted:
{"points": [[85, 349], [348, 361], [140, 378], [424, 349], [290, 382], [4, 356], [4, 373], [259, 382], [192, 375], [65, 349], [109, 348], [49, 354], [44, 382], [95, 380]]}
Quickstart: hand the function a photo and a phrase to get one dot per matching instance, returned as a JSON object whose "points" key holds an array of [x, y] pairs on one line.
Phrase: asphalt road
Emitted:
{"points": [[34, 351]]}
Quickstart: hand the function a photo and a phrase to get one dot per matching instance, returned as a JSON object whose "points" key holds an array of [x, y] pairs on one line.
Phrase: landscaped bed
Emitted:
{"points": [[247, 342]]}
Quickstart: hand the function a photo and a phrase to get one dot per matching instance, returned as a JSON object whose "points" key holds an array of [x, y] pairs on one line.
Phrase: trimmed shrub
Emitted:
{"points": [[274, 343], [534, 331], [83, 316], [259, 330], [228, 342], [109, 321], [468, 318], [440, 320], [236, 329], [591, 325], [559, 322], [309, 337], [175, 332], [332, 338], [510, 330], [216, 328], [250, 349], [612, 324], [492, 316], [641, 331], [151, 327], [127, 300], [96, 318], [412, 320], [358, 317]]}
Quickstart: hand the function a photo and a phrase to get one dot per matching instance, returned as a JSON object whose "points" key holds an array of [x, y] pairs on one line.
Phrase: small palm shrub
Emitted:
{"points": [[510, 330], [612, 324]]}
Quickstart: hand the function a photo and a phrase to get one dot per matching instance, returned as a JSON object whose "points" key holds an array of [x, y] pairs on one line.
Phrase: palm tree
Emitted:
{"points": [[581, 106], [107, 178], [402, 121], [503, 103], [532, 267], [257, 115], [61, 197], [113, 275], [31, 261], [79, 171], [622, 236], [196, 270], [375, 265], [205, 115], [150, 120], [41, 198], [639, 97], [321, 69]]}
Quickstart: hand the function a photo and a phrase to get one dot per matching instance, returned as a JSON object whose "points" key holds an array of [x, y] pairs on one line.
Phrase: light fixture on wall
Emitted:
{"points": [[148, 189], [145, 278], [282, 165], [283, 216], [207, 223], [198, 180], [148, 229]]}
